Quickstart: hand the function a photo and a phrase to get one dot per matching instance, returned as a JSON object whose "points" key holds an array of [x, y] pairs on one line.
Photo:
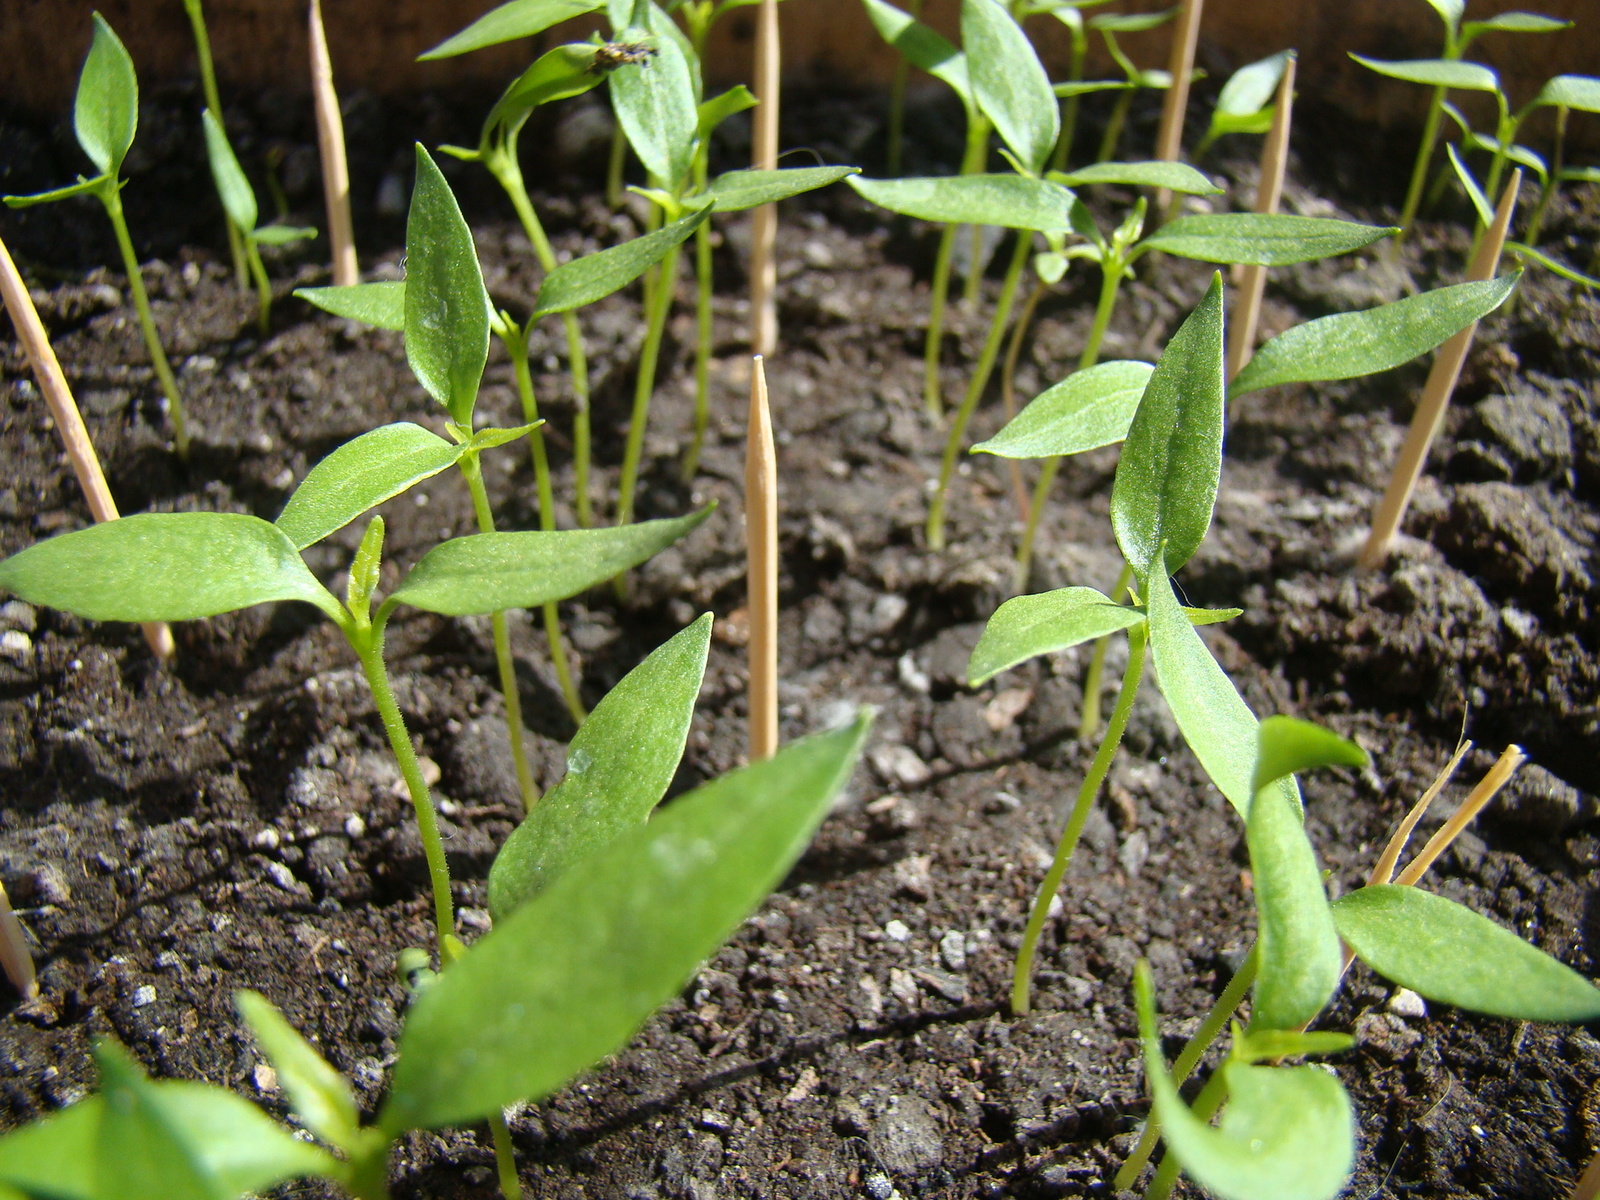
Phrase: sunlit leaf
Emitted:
{"points": [[1256, 1045], [1009, 83], [1572, 91], [1513, 22], [1084, 87], [1288, 745], [82, 187], [558, 74], [1252, 87], [1175, 176], [238, 197], [517, 19], [1008, 200], [1297, 948], [1132, 22], [1449, 12], [1544, 260], [595, 276], [447, 309], [1026, 626], [1262, 239], [1086, 410], [656, 104], [1480, 202], [734, 191], [381, 305], [718, 109], [922, 46], [282, 235], [320, 1097], [1436, 72], [106, 112], [55, 1157]]}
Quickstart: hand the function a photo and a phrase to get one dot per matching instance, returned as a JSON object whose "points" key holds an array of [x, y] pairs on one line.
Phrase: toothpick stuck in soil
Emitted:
{"points": [[69, 421], [761, 534], [764, 220], [15, 959], [330, 141], [1169, 136], [1436, 394]]}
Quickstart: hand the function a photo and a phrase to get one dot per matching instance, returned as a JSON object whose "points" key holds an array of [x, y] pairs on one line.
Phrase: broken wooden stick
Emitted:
{"points": [[761, 537], [335, 170]]}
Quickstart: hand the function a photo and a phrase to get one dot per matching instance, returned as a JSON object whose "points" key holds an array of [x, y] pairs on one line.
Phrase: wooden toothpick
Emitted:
{"points": [[761, 536], [1253, 280], [764, 157], [1169, 135], [69, 422], [15, 958], [330, 141], [1436, 394]]}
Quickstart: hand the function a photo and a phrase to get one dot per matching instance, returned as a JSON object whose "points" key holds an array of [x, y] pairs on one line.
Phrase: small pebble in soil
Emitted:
{"points": [[144, 994], [898, 930], [1406, 1003], [879, 1187], [354, 826], [267, 839], [913, 677], [953, 949]]}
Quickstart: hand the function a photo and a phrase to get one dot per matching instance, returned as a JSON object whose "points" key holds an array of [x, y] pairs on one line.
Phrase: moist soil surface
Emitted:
{"points": [[234, 820]]}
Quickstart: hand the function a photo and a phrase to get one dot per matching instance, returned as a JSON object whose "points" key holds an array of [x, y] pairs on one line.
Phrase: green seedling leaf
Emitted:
{"points": [[1480, 202], [1513, 22], [1009, 200], [1026, 626], [447, 308], [518, 19], [718, 109], [1297, 946], [1175, 176], [1258, 1045], [381, 305], [55, 1157], [922, 47], [106, 112], [1009, 83], [488, 439], [1210, 616], [361, 474], [82, 187], [1449, 12], [571, 975], [1521, 250], [1132, 22], [1261, 239], [1251, 88], [619, 765], [1288, 745], [1446, 952], [1083, 87], [1166, 481], [658, 109], [1571, 91], [487, 572], [282, 235], [658, 21], [1436, 72], [594, 276], [1579, 175], [1347, 345], [734, 191], [557, 74], [238, 197], [1256, 122], [1086, 410], [164, 567], [318, 1094]]}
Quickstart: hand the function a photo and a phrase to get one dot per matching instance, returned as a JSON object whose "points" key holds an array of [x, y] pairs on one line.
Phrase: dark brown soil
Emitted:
{"points": [[172, 835]]}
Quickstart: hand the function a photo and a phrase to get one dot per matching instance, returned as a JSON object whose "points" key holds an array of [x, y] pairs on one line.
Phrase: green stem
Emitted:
{"points": [[1008, 390], [973, 279], [1113, 135], [614, 165], [1020, 983], [505, 1158], [1070, 104], [472, 470], [1419, 173], [895, 155], [1094, 681], [644, 385], [1548, 192], [975, 386], [702, 351], [258, 272], [208, 87], [971, 161], [1205, 1107], [112, 199]]}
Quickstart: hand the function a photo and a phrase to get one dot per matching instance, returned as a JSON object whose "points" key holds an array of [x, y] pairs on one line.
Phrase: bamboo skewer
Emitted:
{"points": [[761, 536], [1436, 394], [1169, 135], [764, 220], [69, 421], [335, 170], [1253, 279]]}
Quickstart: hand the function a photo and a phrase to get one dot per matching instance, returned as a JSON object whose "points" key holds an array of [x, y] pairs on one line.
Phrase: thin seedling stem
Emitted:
{"points": [[761, 536], [1553, 181], [1114, 124], [764, 156], [1253, 279], [1021, 979], [258, 272], [1008, 378], [932, 394], [1070, 104], [69, 421], [1435, 395], [972, 281], [1169, 135], [147, 323], [208, 88], [505, 1159], [660, 304], [702, 352], [330, 143], [615, 161], [894, 154], [1094, 681]]}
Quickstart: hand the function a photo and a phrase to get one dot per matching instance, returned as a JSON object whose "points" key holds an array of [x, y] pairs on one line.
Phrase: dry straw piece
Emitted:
{"points": [[330, 141], [1169, 135], [761, 539], [69, 421], [764, 157], [1436, 394]]}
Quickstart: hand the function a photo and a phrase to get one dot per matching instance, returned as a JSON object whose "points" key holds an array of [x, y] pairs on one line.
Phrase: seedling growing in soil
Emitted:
{"points": [[1246, 102], [208, 89], [105, 116]]}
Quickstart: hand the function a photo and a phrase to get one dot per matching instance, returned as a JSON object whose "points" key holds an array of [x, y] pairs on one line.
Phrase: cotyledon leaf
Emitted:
{"points": [[657, 107], [1176, 176], [1435, 72], [447, 308], [1261, 239], [320, 1097], [922, 46], [735, 191], [517, 19], [1025, 626], [1008, 200], [595, 276], [1009, 83], [1086, 410], [106, 112], [381, 305], [238, 197], [1288, 745]]}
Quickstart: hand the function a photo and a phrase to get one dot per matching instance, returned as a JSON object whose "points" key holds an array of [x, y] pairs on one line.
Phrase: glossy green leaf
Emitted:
{"points": [[517, 19], [1256, 122], [1261, 239], [1436, 72], [1132, 22], [734, 191], [360, 475], [447, 309], [106, 112], [558, 74], [1447, 952], [164, 567], [1572, 91], [619, 765], [1026, 626], [1288, 745], [1252, 87], [571, 975], [1210, 616], [319, 1096], [1166, 481], [718, 109], [1086, 410], [1347, 345], [595, 276], [1287, 1133], [238, 197], [487, 572], [82, 187], [1084, 87], [1175, 176], [923, 47], [1009, 83], [1514, 22], [658, 21], [656, 104], [1008, 200], [488, 439], [1449, 12], [1480, 202], [54, 1158], [381, 305], [1297, 947], [1256, 1045], [1524, 251], [282, 235]]}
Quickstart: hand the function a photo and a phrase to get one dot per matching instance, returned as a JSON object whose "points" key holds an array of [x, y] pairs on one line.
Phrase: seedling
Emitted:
{"points": [[1245, 104], [1133, 77], [208, 88], [105, 116]]}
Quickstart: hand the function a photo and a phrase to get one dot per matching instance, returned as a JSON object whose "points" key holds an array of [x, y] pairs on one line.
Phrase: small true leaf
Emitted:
{"points": [[1132, 22], [361, 474], [922, 46], [1261, 239], [1251, 87], [1009, 83], [381, 305], [558, 74], [1026, 626], [1449, 953], [1436, 72], [487, 572], [517, 19], [619, 765], [1296, 945], [1009, 200], [1086, 410], [164, 567], [1210, 616], [1480, 202], [595, 276], [1347, 345], [1288, 745], [1083, 87], [734, 191], [656, 105], [318, 1094], [1254, 1045], [569, 976], [238, 197], [1175, 176], [1572, 91], [718, 109], [106, 112]]}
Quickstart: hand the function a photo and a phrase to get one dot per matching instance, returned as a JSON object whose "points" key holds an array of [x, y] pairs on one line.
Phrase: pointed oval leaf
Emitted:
{"points": [[1008, 200], [487, 572], [164, 567], [1083, 87], [718, 109], [1132, 22], [1447, 952], [1086, 410], [1436, 72], [619, 765], [82, 187], [1261, 239], [1288, 745], [1166, 481], [1572, 91], [238, 197], [1252, 87], [106, 112], [558, 74], [360, 475], [1450, 12], [1514, 22], [1175, 176], [447, 308], [381, 305], [922, 46], [1297, 947], [571, 975], [1026, 626], [282, 235], [517, 19], [658, 110], [1210, 616], [1009, 83], [1347, 345], [55, 1157], [734, 191], [595, 276], [318, 1094]]}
